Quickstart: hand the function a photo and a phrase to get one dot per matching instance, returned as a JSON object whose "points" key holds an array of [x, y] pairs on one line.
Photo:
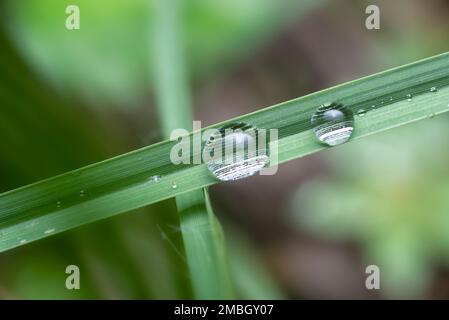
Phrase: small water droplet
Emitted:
{"points": [[23, 241], [391, 98], [361, 112], [409, 97], [236, 152], [174, 185], [58, 204], [82, 193], [155, 178], [48, 231], [430, 116], [333, 123], [433, 89]]}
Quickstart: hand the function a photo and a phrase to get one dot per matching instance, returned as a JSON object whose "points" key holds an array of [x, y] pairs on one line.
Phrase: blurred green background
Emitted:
{"points": [[71, 98]]}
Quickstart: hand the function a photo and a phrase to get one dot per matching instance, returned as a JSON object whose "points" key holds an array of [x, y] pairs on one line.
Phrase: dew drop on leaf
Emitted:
{"points": [[333, 123], [409, 97], [361, 112], [235, 152], [433, 89], [155, 178]]}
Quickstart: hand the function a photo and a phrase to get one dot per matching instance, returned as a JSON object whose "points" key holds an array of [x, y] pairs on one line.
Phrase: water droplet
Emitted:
{"points": [[333, 123], [409, 97], [58, 204], [433, 89], [155, 178], [23, 241], [430, 116], [82, 193], [174, 185], [361, 112], [391, 98], [238, 152], [48, 231]]}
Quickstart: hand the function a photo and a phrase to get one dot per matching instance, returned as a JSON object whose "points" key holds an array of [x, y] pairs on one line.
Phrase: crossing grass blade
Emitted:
{"points": [[123, 183], [201, 232]]}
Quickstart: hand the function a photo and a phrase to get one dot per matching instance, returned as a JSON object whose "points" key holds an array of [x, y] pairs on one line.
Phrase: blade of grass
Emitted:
{"points": [[200, 229], [121, 184]]}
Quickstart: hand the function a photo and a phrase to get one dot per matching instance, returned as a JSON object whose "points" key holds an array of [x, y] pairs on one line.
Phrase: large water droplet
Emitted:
{"points": [[333, 123], [239, 151], [433, 89]]}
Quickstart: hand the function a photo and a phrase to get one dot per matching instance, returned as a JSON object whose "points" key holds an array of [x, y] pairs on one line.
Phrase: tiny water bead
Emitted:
{"points": [[239, 151], [48, 231], [409, 97], [155, 178], [174, 185], [58, 204], [433, 89], [333, 123], [361, 112]]}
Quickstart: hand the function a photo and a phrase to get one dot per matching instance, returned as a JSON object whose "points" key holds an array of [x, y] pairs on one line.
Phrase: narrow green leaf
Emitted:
{"points": [[200, 229], [121, 184]]}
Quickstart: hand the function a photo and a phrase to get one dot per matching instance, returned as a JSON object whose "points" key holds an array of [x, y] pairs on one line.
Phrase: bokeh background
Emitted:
{"points": [[71, 98]]}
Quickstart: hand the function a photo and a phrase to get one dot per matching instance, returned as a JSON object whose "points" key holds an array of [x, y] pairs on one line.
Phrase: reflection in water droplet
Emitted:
{"points": [[333, 123], [433, 89], [409, 97], [155, 178], [239, 151], [361, 112], [174, 185], [82, 193], [48, 231]]}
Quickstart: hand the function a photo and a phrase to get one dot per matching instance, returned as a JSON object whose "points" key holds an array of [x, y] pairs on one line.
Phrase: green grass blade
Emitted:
{"points": [[121, 184], [200, 229]]}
